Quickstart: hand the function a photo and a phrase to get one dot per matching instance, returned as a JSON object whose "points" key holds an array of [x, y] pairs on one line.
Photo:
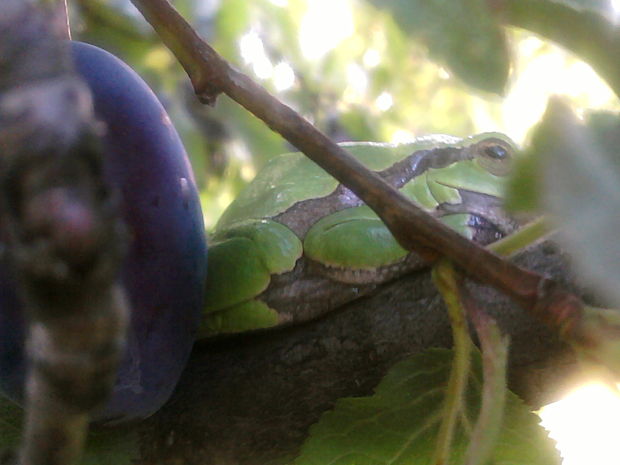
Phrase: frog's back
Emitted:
{"points": [[292, 177]]}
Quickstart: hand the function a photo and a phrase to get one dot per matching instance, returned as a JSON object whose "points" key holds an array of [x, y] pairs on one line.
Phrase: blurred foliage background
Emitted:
{"points": [[354, 69]]}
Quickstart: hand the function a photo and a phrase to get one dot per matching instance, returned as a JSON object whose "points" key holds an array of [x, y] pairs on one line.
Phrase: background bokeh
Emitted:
{"points": [[344, 64]]}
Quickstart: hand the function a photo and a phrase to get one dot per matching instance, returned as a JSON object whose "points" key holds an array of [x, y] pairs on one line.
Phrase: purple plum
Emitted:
{"points": [[164, 272]]}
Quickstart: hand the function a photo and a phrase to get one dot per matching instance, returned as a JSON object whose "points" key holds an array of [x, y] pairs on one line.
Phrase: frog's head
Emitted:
{"points": [[463, 185]]}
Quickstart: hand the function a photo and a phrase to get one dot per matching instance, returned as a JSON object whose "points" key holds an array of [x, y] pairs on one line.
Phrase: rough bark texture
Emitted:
{"points": [[251, 399]]}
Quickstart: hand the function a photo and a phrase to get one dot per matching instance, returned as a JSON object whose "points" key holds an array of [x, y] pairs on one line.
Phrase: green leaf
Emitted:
{"points": [[583, 26], [113, 446], [10, 423], [398, 424], [524, 188], [602, 7], [581, 170], [232, 20], [460, 34], [597, 339]]}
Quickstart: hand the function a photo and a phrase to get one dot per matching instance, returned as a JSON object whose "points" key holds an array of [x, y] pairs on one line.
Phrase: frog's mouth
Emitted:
{"points": [[483, 231], [484, 217]]}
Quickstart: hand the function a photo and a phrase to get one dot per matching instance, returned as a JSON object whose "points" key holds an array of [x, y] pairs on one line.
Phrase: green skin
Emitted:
{"points": [[296, 244]]}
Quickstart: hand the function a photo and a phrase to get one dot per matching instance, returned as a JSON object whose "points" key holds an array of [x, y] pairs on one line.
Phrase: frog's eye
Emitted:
{"points": [[497, 152], [495, 156]]}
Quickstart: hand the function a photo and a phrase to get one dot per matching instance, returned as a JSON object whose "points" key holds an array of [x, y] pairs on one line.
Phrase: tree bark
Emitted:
{"points": [[250, 399]]}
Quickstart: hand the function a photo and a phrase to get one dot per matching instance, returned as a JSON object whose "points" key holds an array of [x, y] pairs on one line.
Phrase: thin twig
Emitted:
{"points": [[58, 21], [494, 347], [447, 281], [526, 236]]}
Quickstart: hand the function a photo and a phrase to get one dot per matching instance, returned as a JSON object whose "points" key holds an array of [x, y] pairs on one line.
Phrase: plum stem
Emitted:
{"points": [[447, 281], [64, 238], [494, 347], [58, 19], [65, 29]]}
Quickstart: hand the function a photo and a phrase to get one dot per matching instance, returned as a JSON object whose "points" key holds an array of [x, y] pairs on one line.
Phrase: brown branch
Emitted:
{"points": [[64, 28], [411, 226]]}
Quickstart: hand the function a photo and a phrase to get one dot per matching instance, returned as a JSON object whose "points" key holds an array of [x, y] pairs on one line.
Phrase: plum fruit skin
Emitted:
{"points": [[164, 272]]}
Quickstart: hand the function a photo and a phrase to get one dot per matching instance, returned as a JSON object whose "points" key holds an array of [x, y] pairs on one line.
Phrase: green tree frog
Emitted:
{"points": [[296, 244]]}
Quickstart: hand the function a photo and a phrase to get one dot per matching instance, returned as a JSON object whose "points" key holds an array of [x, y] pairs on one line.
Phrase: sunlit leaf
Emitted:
{"points": [[599, 343], [581, 169], [398, 423], [524, 190], [603, 7], [585, 27], [460, 34]]}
